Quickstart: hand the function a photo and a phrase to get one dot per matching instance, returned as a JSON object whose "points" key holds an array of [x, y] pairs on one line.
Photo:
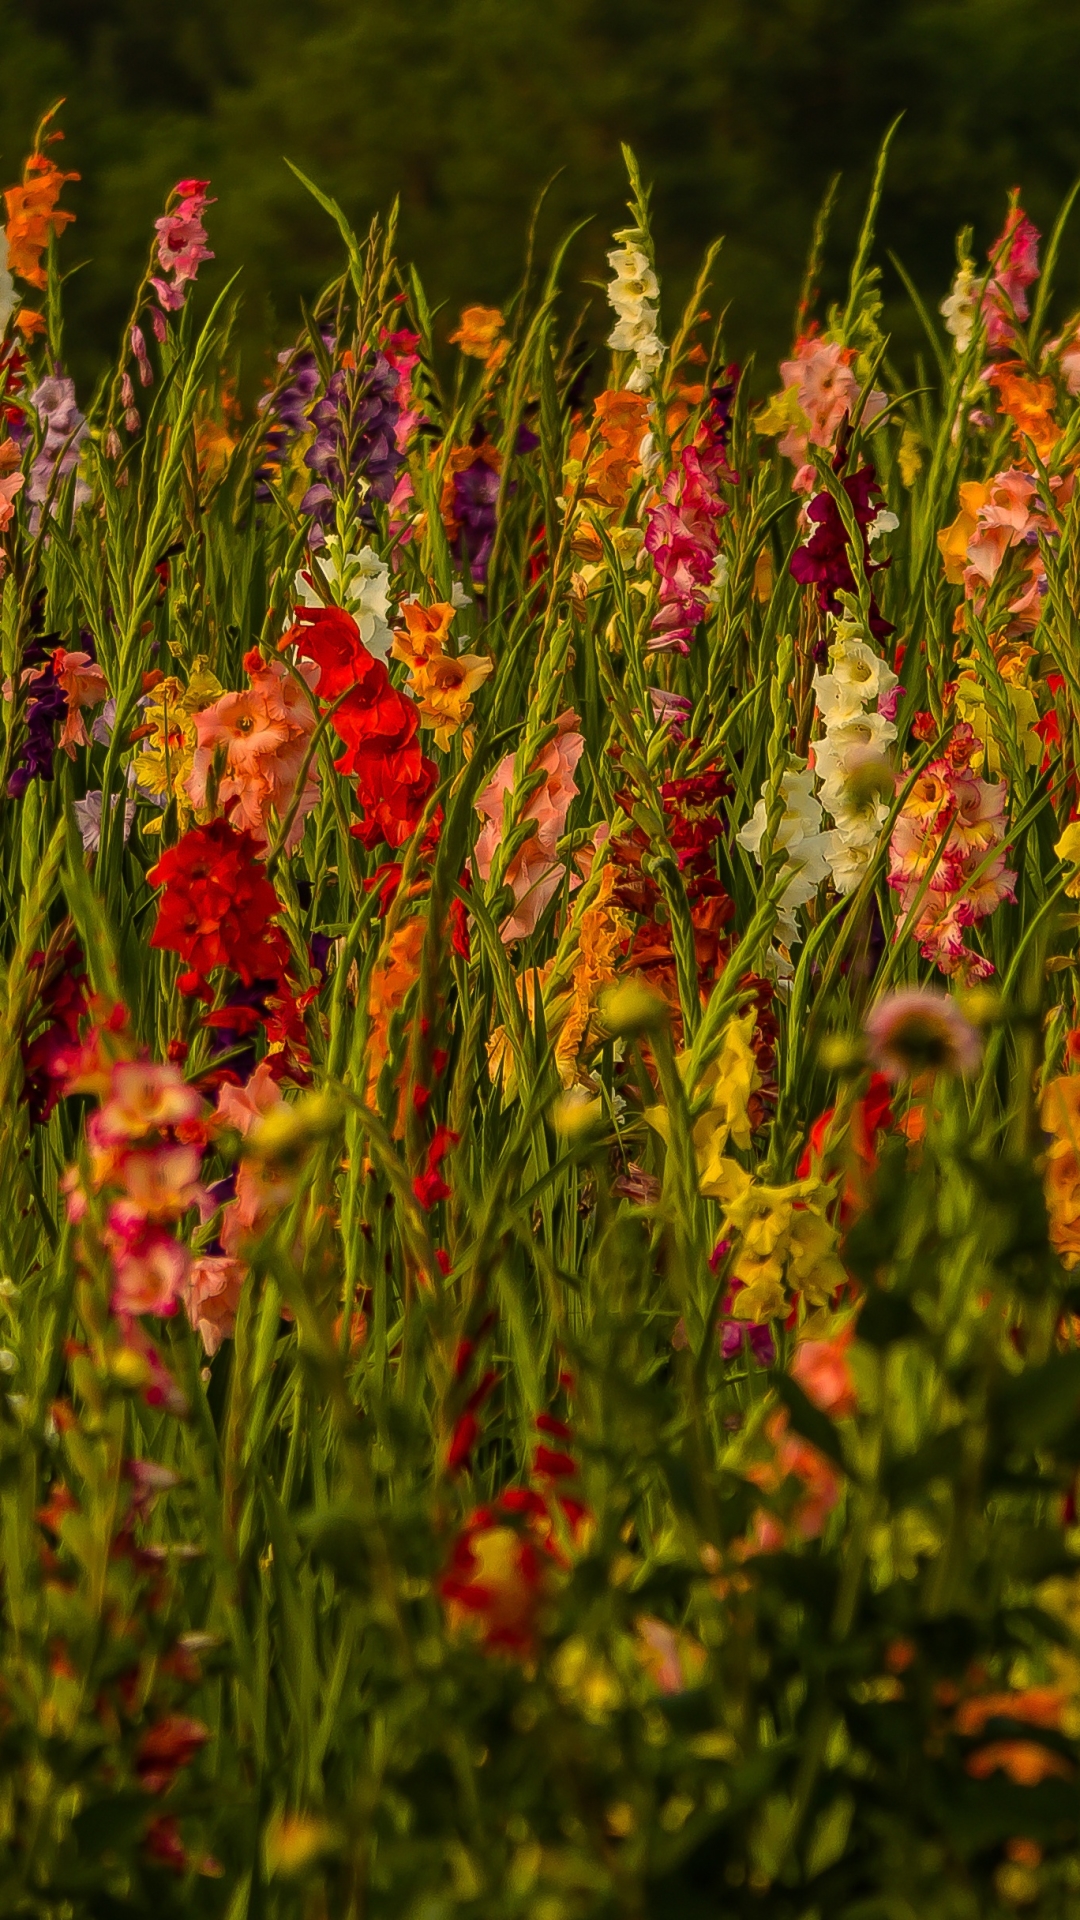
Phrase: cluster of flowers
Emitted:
{"points": [[695, 826], [682, 528], [509, 1552], [780, 1242], [802, 1485], [634, 293], [1060, 1119], [801, 837], [143, 1177], [946, 858], [181, 243], [468, 504], [256, 743], [1014, 263], [356, 423], [824, 560], [535, 872], [441, 683], [376, 724], [33, 218], [63, 434], [1001, 517], [820, 392], [145, 1144], [59, 684], [217, 907], [849, 757]]}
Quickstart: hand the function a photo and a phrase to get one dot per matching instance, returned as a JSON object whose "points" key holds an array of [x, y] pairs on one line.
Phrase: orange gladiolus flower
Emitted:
{"points": [[621, 421], [953, 540], [1027, 1762], [1029, 404], [33, 216], [1038, 1706], [478, 336]]}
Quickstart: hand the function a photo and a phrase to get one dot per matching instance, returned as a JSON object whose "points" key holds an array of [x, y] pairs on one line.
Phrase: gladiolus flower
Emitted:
{"points": [[478, 336], [921, 1031], [534, 874], [822, 1371], [170, 1745]]}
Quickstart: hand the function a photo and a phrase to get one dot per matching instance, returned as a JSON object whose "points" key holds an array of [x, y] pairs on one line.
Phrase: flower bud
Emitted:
{"points": [[633, 1008]]}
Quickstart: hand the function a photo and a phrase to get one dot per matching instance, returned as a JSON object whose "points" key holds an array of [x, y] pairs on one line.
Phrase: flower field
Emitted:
{"points": [[540, 1116]]}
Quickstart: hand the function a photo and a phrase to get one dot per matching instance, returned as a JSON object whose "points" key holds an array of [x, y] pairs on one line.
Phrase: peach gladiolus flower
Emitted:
{"points": [[819, 391], [85, 686], [10, 485], [145, 1097], [211, 1295], [260, 1193], [265, 732], [822, 1371], [535, 873]]}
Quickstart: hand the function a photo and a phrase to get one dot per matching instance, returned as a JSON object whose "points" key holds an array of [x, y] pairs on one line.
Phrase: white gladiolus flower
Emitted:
{"points": [[849, 759], [359, 582], [959, 308], [633, 294], [856, 675], [800, 838], [847, 743], [882, 522]]}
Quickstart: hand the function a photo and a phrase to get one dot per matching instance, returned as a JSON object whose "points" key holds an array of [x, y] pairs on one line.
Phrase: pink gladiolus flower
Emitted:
{"points": [[921, 1030], [1015, 260], [265, 732], [822, 1371], [682, 529], [260, 1193], [827, 391], [161, 1183], [149, 1266], [181, 244], [145, 1098], [534, 873], [955, 818], [670, 710], [241, 1108], [212, 1292]]}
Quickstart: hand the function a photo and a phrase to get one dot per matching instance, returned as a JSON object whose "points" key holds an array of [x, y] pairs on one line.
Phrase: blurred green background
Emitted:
{"points": [[740, 110]]}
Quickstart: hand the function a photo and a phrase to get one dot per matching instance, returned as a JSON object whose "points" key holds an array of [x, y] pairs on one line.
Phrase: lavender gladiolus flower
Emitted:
{"points": [[476, 492], [47, 706], [355, 438], [65, 431]]}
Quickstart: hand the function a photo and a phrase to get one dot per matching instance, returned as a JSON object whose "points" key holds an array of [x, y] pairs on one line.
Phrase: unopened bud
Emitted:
{"points": [[633, 1008], [287, 1132], [842, 1053], [576, 1114], [129, 1369]]}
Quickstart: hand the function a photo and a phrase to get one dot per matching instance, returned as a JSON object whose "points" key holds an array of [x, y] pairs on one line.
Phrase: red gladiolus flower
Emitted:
{"points": [[217, 906], [393, 789], [170, 1745], [376, 723]]}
